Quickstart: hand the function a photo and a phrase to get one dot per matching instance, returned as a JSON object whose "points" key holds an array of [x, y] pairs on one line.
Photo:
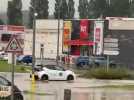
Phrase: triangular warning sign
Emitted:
{"points": [[13, 45]]}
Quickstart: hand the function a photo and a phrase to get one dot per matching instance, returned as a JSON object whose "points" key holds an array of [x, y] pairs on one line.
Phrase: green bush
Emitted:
{"points": [[112, 73]]}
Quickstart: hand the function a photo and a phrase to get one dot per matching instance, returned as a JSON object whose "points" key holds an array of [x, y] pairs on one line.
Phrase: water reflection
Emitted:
{"points": [[102, 94]]}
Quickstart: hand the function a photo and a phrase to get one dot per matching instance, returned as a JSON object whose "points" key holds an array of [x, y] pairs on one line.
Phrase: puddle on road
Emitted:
{"points": [[87, 94], [102, 94]]}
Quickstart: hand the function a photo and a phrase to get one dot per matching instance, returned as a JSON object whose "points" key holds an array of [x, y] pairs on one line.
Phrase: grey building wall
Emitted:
{"points": [[126, 46]]}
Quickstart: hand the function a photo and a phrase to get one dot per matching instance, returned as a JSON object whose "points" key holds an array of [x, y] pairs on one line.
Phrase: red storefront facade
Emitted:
{"points": [[79, 37]]}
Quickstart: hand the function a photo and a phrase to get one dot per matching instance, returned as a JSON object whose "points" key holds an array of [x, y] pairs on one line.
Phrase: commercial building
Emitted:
{"points": [[46, 39], [71, 39]]}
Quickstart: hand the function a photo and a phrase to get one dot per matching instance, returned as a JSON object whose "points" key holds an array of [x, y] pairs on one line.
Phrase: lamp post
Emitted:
{"points": [[33, 54], [33, 49], [58, 35]]}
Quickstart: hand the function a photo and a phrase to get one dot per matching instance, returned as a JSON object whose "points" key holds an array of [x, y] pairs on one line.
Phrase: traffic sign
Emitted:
{"points": [[111, 40], [13, 45], [110, 45], [112, 49], [108, 52]]}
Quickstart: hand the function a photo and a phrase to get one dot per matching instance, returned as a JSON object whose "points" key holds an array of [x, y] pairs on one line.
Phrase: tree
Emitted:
{"points": [[14, 12], [131, 14], [91, 7], [83, 8], [40, 7], [71, 9], [119, 8], [1, 22], [58, 12], [61, 9], [100, 8], [64, 9]]}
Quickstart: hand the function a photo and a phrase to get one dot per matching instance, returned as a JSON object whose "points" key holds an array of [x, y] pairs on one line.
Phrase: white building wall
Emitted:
{"points": [[28, 42], [46, 33]]}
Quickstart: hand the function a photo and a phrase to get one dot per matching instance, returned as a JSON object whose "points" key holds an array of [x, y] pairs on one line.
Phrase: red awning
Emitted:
{"points": [[80, 42]]}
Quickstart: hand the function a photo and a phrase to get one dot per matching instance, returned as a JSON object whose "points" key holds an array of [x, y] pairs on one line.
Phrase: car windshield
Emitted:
{"points": [[3, 81]]}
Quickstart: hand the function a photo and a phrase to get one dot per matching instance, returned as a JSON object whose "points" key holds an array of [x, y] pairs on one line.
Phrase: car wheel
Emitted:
{"points": [[112, 65], [36, 77], [70, 77], [30, 76], [79, 66], [27, 63], [18, 97], [82, 64], [44, 78], [97, 65]]}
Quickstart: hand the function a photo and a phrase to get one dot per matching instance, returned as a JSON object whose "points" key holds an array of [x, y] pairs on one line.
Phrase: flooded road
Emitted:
{"points": [[81, 89], [102, 94]]}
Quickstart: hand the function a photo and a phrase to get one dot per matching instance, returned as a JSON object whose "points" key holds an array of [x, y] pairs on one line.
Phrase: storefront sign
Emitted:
{"points": [[84, 29], [98, 37]]}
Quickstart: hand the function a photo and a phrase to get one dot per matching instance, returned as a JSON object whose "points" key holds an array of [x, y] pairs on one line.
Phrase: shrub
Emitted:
{"points": [[112, 73]]}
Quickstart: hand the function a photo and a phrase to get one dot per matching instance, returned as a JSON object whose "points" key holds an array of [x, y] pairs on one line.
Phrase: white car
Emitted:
{"points": [[54, 73]]}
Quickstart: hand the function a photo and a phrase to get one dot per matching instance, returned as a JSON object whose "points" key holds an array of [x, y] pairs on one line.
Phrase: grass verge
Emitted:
{"points": [[5, 67], [102, 73]]}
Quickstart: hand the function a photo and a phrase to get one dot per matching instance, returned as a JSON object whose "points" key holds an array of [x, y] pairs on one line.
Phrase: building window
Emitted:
{"points": [[5, 37], [51, 51]]}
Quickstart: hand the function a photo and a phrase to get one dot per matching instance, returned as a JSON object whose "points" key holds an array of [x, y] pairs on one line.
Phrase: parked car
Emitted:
{"points": [[5, 90], [82, 60], [53, 72], [3, 56], [19, 58], [25, 59], [100, 61], [91, 61]]}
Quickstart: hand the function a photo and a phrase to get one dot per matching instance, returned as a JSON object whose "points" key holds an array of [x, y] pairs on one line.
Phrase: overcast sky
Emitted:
{"points": [[26, 4]]}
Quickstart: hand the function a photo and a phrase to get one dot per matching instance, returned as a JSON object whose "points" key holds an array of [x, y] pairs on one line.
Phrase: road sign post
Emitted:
{"points": [[13, 47], [110, 48], [107, 63], [12, 87]]}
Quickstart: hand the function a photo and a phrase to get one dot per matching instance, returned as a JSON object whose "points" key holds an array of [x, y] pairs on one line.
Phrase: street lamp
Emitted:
{"points": [[33, 51]]}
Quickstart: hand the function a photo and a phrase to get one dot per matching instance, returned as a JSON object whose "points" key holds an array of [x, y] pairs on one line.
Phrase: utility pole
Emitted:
{"points": [[58, 35], [33, 49], [33, 52], [34, 38], [12, 88]]}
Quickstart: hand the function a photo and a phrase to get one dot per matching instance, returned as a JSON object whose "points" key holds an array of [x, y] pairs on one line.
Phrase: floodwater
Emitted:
{"points": [[102, 94]]}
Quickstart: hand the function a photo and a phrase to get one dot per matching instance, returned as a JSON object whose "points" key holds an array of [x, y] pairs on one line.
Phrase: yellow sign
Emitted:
{"points": [[66, 34]]}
